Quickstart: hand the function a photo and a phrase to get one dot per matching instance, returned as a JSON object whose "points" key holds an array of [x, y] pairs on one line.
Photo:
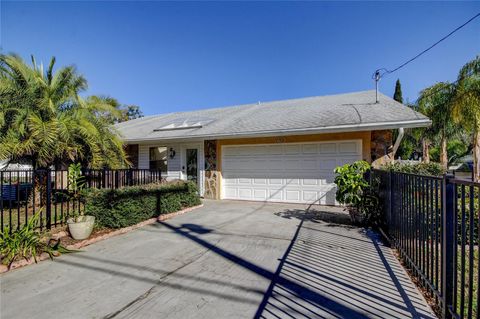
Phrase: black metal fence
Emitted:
{"points": [[23, 193], [434, 224]]}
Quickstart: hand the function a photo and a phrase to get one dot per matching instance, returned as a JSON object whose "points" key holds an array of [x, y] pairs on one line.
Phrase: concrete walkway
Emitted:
{"points": [[225, 260]]}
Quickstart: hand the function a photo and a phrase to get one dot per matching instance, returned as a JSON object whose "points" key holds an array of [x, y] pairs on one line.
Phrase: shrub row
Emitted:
{"points": [[117, 208], [430, 169]]}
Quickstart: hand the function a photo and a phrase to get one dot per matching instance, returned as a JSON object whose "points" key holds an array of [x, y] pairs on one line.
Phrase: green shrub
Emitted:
{"points": [[117, 208], [26, 242], [430, 169], [355, 191]]}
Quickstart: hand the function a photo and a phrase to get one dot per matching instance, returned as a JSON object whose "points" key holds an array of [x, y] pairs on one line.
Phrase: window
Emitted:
{"points": [[185, 123], [158, 158]]}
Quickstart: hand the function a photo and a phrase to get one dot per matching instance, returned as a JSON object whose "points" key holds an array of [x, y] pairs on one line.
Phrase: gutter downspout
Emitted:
{"points": [[401, 133]]}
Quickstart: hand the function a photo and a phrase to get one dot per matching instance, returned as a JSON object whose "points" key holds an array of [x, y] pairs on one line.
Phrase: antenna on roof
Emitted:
{"points": [[377, 79]]}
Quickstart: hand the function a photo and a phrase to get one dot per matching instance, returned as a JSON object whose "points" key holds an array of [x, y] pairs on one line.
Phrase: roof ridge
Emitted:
{"points": [[254, 104]]}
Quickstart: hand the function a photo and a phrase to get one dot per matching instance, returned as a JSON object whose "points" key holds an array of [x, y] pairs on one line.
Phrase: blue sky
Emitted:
{"points": [[174, 56]]}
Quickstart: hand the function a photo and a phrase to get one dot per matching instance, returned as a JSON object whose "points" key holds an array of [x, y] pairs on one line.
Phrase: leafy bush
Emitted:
{"points": [[355, 191], [351, 182], [117, 208], [26, 243], [430, 169]]}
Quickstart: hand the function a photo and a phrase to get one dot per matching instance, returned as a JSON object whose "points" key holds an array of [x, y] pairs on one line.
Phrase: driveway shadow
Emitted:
{"points": [[329, 273], [320, 301], [346, 265], [327, 214]]}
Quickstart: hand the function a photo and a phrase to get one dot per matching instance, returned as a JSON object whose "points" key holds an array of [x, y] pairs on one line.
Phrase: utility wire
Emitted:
{"points": [[435, 92], [381, 72]]}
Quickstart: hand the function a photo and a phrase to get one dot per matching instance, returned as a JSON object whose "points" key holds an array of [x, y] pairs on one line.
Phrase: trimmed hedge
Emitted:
{"points": [[117, 208], [431, 169]]}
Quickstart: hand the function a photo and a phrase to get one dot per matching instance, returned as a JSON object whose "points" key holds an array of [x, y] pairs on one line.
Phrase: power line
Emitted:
{"points": [[435, 91], [379, 73]]}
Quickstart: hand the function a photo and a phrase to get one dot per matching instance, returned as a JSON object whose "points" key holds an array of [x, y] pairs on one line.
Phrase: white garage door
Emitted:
{"points": [[291, 172]]}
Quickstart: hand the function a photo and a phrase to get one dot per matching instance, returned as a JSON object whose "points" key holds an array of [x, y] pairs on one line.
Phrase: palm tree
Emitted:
{"points": [[44, 119], [436, 102], [467, 107]]}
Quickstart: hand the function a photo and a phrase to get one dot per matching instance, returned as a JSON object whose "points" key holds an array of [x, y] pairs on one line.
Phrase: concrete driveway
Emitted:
{"points": [[225, 260]]}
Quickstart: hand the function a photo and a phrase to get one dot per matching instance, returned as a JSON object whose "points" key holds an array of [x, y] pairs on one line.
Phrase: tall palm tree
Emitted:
{"points": [[44, 119], [467, 106], [436, 102]]}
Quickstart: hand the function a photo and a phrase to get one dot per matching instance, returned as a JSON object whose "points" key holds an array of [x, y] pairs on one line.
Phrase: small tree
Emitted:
{"points": [[131, 112], [397, 96], [44, 119], [436, 102], [467, 107]]}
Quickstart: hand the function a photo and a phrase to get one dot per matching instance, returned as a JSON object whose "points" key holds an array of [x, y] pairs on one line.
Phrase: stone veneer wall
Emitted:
{"points": [[211, 172], [380, 144]]}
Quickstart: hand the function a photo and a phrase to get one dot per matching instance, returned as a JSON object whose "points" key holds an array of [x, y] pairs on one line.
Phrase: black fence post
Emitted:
{"points": [[116, 179], [48, 198], [448, 245], [104, 178], [1, 202], [391, 200]]}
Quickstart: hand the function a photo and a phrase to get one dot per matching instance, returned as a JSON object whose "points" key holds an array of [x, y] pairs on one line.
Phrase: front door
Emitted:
{"points": [[191, 164]]}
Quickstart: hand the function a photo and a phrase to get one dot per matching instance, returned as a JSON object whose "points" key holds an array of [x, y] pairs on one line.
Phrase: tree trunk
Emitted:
{"points": [[426, 150], [476, 156], [443, 153]]}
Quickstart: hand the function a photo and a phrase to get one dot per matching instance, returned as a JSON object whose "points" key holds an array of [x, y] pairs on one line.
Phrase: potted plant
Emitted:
{"points": [[80, 226]]}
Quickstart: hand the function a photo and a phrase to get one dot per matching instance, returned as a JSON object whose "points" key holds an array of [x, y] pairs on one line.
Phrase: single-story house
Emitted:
{"points": [[282, 151]]}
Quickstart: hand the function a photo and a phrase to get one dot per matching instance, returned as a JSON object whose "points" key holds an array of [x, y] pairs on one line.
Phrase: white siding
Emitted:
{"points": [[174, 166]]}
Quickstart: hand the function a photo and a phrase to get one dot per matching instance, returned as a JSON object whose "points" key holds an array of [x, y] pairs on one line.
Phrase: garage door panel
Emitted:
{"points": [[310, 196], [308, 164], [260, 194], [275, 194], [292, 195], [274, 150], [310, 182], [299, 172], [292, 181], [293, 149], [260, 181], [310, 149], [275, 181], [245, 193], [328, 163], [231, 192], [350, 147], [328, 148], [346, 160], [230, 181], [245, 181]]}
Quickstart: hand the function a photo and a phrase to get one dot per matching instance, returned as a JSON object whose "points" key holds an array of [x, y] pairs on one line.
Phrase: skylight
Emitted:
{"points": [[185, 123]]}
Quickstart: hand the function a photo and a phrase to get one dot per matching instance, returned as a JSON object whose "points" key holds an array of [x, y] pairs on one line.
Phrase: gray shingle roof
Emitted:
{"points": [[321, 114]]}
